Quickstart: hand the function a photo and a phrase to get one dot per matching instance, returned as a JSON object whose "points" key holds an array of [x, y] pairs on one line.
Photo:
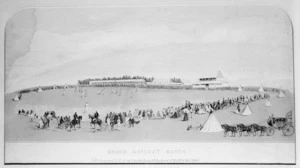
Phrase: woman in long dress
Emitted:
{"points": [[118, 124], [108, 124], [129, 114], [41, 123]]}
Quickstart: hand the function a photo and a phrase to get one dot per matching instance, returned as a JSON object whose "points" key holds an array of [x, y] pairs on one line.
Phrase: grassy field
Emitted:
{"points": [[20, 129]]}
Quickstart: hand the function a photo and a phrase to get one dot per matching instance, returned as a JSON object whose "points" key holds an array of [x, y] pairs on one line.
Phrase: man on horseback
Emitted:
{"points": [[96, 115], [75, 116]]}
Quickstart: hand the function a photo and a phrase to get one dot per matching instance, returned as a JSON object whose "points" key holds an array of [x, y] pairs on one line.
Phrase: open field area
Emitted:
{"points": [[18, 128]]}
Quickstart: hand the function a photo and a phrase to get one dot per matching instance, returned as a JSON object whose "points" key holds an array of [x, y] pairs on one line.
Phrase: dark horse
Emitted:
{"points": [[227, 128], [75, 122], [242, 128], [255, 128], [95, 120], [132, 121]]}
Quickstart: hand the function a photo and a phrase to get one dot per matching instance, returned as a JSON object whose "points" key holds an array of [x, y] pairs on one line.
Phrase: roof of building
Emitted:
{"points": [[211, 75], [118, 81], [208, 82]]}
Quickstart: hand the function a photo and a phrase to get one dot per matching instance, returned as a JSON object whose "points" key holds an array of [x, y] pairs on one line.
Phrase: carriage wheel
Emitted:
{"points": [[288, 130], [270, 131]]}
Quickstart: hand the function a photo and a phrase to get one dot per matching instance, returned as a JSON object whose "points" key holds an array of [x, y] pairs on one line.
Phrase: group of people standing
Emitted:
{"points": [[224, 103], [186, 111]]}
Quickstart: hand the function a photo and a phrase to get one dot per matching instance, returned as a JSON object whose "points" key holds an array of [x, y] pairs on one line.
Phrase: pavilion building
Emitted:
{"points": [[211, 82]]}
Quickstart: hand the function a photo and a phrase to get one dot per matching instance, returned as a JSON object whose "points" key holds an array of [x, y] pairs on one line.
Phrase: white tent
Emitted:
{"points": [[246, 111], [40, 90], [16, 98], [54, 87], [268, 103], [220, 75], [211, 124], [281, 94], [240, 89], [261, 89]]}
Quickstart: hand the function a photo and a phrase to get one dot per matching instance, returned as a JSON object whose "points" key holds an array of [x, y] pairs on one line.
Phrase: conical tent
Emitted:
{"points": [[40, 90], [281, 94], [246, 111], [240, 89], [261, 89], [211, 124], [16, 98], [268, 103], [220, 75]]}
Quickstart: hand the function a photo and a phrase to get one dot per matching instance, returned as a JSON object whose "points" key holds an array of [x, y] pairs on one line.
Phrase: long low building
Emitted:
{"points": [[118, 82]]}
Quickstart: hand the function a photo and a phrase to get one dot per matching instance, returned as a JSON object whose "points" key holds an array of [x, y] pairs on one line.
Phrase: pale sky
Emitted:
{"points": [[250, 45]]}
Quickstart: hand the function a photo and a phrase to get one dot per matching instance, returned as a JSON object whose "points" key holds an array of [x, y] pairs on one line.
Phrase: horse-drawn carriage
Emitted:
{"points": [[280, 123]]}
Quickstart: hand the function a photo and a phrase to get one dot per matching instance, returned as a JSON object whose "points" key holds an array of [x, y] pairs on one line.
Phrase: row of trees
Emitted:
{"points": [[176, 80], [125, 77]]}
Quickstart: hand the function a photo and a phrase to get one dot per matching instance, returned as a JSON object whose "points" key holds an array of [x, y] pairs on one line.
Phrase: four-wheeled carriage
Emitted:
{"points": [[284, 124]]}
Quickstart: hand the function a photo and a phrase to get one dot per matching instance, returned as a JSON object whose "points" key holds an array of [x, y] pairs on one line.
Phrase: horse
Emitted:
{"points": [[242, 128], [75, 122], [67, 121], [254, 128], [60, 121], [227, 128], [262, 129], [95, 121]]}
